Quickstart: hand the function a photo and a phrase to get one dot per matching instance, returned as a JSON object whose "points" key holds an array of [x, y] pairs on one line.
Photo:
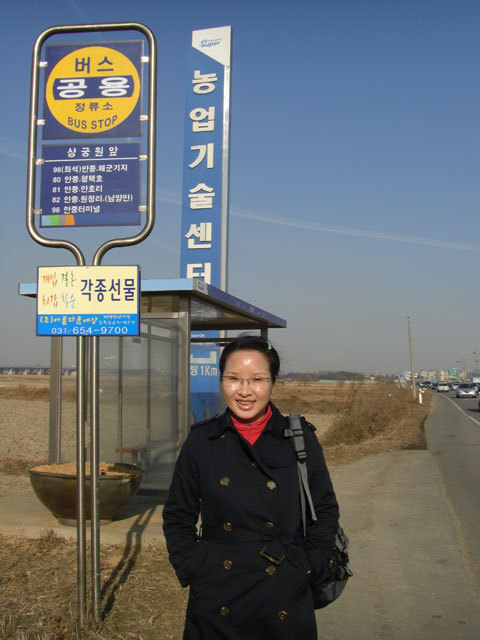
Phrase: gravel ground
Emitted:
{"points": [[24, 438], [24, 429]]}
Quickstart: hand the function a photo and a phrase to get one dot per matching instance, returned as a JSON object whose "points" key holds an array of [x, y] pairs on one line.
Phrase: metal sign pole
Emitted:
{"points": [[81, 541], [94, 472], [79, 256]]}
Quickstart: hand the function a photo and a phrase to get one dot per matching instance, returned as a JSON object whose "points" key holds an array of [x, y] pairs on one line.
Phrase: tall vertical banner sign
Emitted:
{"points": [[203, 252]]}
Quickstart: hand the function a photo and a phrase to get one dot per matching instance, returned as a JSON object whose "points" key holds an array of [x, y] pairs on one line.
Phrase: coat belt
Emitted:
{"points": [[275, 543]]}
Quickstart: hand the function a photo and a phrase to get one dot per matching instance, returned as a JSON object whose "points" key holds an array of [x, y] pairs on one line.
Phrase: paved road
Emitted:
{"points": [[453, 437], [412, 578]]}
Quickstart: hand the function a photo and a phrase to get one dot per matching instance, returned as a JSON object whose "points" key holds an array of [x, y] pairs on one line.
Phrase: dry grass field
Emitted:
{"points": [[141, 598]]}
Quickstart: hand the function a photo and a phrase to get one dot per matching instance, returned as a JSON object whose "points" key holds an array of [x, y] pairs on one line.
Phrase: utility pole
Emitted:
{"points": [[412, 366]]}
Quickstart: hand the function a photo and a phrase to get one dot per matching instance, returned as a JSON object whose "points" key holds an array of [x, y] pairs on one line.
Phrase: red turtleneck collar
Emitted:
{"points": [[251, 431]]}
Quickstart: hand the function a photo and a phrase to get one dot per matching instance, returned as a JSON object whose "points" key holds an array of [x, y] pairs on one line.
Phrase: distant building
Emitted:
{"points": [[428, 374], [442, 375]]}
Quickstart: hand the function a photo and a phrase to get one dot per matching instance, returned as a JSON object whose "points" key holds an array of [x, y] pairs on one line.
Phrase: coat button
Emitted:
{"points": [[224, 611], [227, 526], [270, 569], [227, 564], [269, 525], [282, 615], [271, 485], [225, 481]]}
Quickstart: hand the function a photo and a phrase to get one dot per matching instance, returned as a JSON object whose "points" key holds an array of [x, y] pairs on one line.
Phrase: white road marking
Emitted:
{"points": [[465, 414]]}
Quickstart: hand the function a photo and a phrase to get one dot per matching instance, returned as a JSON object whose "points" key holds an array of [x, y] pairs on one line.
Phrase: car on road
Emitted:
{"points": [[443, 386], [454, 386], [467, 390]]}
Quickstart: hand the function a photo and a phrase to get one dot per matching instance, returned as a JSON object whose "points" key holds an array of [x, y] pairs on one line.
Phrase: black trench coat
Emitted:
{"points": [[249, 571]]}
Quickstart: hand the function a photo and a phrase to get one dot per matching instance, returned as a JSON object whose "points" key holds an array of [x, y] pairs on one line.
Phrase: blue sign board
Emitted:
{"points": [[90, 184]]}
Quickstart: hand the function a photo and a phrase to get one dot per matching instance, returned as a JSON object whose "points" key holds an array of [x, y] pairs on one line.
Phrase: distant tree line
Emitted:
{"points": [[301, 376]]}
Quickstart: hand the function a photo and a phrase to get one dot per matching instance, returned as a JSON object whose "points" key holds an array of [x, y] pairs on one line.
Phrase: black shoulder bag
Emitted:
{"points": [[328, 590]]}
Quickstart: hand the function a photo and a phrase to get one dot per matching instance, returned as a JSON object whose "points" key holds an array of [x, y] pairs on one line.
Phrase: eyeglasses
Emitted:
{"points": [[258, 384]]}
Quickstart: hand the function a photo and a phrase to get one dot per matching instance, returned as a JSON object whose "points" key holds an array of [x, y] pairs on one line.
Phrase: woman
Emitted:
{"points": [[250, 569]]}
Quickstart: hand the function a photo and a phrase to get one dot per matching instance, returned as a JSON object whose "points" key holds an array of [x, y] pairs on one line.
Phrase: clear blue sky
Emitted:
{"points": [[354, 191]]}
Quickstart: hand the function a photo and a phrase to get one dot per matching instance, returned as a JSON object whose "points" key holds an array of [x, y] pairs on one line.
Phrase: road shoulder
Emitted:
{"points": [[410, 579]]}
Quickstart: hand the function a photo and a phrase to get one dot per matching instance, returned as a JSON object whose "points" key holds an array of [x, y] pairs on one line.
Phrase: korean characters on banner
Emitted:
{"points": [[201, 206], [204, 151], [90, 184], [93, 90], [101, 301], [203, 201]]}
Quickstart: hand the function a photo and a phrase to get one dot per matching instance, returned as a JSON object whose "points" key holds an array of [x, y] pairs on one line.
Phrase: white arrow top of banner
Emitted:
{"points": [[214, 43]]}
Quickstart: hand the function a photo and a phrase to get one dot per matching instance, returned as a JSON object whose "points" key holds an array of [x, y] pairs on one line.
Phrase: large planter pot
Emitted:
{"points": [[58, 490]]}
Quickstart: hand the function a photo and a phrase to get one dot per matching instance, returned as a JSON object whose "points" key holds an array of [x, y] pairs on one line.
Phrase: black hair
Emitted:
{"points": [[252, 343]]}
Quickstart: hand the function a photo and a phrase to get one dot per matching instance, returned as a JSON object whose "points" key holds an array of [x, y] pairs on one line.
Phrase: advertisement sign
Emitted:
{"points": [[93, 90], [95, 301], [90, 184], [205, 191]]}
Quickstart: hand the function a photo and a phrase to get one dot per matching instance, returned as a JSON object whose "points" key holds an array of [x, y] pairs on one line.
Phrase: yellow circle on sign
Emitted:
{"points": [[93, 89]]}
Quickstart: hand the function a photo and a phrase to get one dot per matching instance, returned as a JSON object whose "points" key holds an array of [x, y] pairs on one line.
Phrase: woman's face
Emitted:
{"points": [[247, 402]]}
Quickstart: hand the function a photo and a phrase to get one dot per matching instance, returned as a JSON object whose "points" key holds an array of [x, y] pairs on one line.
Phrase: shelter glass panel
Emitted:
{"points": [[139, 400]]}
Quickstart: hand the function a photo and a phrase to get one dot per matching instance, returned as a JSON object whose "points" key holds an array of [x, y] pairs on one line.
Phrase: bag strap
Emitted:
{"points": [[296, 433]]}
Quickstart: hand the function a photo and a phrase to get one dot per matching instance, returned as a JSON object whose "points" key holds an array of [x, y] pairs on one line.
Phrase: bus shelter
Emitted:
{"points": [[145, 381]]}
